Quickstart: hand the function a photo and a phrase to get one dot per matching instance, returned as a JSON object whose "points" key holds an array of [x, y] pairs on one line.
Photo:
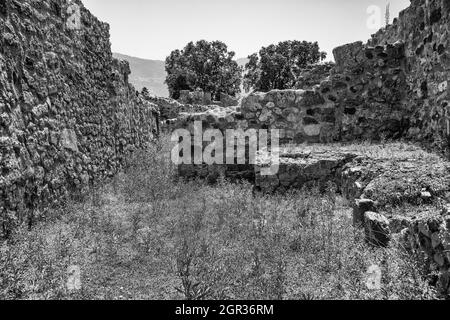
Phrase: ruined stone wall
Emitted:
{"points": [[368, 86], [170, 109], [360, 100], [301, 116], [201, 98], [393, 87], [429, 235], [68, 116], [424, 27], [197, 97], [313, 75]]}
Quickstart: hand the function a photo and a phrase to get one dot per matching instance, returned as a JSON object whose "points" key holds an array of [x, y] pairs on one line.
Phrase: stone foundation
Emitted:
{"points": [[380, 182]]}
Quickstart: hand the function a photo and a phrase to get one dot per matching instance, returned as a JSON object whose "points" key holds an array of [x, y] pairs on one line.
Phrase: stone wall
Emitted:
{"points": [[219, 118], [395, 86], [429, 235], [368, 87], [360, 100], [201, 98], [313, 75], [170, 109], [227, 101], [424, 27], [197, 97], [68, 116], [301, 116]]}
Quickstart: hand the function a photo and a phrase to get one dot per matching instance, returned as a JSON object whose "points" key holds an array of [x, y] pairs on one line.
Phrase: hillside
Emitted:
{"points": [[147, 73]]}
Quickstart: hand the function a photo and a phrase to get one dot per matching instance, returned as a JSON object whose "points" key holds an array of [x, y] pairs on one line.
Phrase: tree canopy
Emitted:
{"points": [[279, 66], [205, 65]]}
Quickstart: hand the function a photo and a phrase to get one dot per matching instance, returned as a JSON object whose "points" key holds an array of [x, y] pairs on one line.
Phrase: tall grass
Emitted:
{"points": [[149, 235]]}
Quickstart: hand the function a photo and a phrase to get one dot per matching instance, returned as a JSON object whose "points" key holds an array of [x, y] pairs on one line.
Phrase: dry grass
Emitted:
{"points": [[148, 236]]}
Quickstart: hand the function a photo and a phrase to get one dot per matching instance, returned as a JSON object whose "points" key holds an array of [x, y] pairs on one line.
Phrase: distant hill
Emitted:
{"points": [[147, 73]]}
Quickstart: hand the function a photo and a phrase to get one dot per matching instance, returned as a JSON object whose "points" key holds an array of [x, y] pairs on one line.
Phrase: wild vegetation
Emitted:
{"points": [[147, 235], [278, 66], [204, 65]]}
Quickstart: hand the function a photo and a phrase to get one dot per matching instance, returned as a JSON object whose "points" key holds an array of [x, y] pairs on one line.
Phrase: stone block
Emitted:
{"points": [[377, 230], [360, 207]]}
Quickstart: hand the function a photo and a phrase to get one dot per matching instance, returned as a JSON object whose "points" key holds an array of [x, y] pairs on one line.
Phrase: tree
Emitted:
{"points": [[387, 15], [279, 66], [205, 65], [145, 92]]}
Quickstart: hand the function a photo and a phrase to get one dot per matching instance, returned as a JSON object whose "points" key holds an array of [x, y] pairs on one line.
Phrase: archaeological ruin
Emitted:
{"points": [[69, 118], [393, 87]]}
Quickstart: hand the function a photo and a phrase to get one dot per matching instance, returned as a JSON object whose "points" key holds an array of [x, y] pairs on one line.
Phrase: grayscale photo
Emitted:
{"points": [[224, 156]]}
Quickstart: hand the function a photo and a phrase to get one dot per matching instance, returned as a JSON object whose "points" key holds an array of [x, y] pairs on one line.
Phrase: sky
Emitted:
{"points": [[151, 29]]}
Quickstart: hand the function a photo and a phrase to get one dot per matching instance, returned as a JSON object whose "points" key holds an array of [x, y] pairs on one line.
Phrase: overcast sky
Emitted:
{"points": [[153, 28]]}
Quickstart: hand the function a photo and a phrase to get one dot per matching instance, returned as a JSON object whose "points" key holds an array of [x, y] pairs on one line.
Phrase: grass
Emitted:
{"points": [[147, 235]]}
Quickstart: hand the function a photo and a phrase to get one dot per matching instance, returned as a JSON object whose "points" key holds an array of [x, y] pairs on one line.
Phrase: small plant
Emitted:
{"points": [[192, 290]]}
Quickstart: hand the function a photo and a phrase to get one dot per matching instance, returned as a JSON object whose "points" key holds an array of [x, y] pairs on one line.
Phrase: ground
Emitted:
{"points": [[147, 235]]}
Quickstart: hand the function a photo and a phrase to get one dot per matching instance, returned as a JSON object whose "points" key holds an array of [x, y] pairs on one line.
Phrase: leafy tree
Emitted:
{"points": [[205, 65], [279, 66]]}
